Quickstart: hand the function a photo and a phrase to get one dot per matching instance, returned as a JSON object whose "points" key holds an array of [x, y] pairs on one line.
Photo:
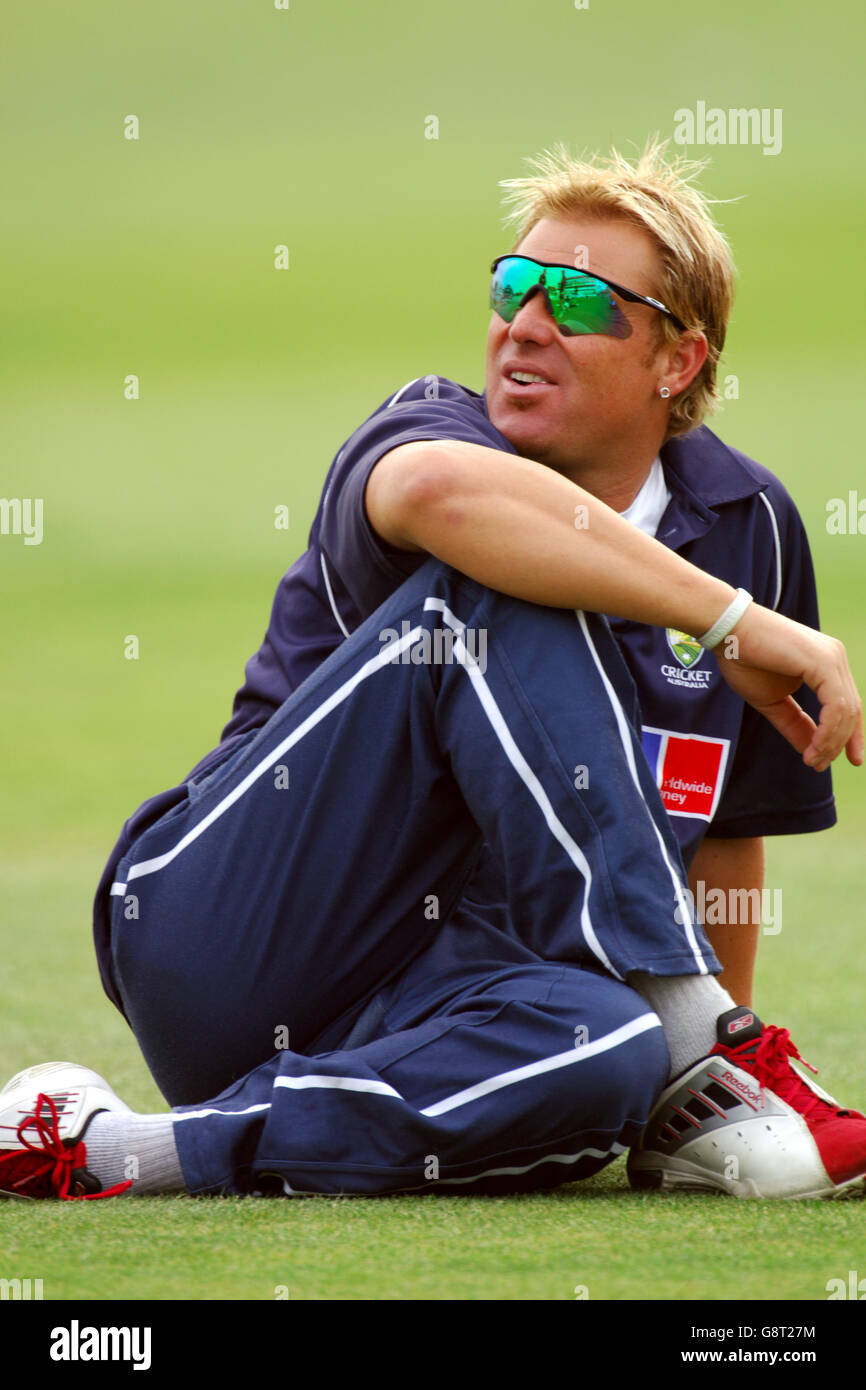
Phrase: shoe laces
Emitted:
{"points": [[62, 1159], [768, 1060]]}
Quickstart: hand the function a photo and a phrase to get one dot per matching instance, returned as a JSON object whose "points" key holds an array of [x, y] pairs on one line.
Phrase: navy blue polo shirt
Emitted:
{"points": [[722, 769]]}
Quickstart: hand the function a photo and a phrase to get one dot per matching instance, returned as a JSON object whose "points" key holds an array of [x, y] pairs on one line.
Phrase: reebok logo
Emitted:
{"points": [[742, 1088], [76, 1343], [738, 1024]]}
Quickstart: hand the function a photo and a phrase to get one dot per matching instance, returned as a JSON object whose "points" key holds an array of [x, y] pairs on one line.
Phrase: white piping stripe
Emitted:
{"points": [[438, 605], [331, 482], [527, 1167], [528, 777], [624, 728], [397, 394], [337, 1083], [561, 1059], [614, 1150], [331, 600], [778, 545], [227, 1114], [376, 663], [315, 1081]]}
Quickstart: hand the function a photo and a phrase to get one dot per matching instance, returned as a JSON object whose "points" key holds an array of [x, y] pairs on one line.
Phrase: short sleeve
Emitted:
{"points": [[770, 791], [361, 565]]}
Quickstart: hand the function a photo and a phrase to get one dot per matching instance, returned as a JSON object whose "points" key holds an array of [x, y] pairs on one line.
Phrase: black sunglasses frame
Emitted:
{"points": [[631, 295]]}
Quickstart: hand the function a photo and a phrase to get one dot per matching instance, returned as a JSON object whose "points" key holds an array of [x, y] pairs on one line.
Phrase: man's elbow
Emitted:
{"points": [[413, 492]]}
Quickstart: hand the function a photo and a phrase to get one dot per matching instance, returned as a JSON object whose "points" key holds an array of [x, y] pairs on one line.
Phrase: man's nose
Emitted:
{"points": [[533, 319]]}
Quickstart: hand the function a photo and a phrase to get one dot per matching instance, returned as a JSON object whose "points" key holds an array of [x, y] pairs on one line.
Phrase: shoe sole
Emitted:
{"points": [[679, 1175]]}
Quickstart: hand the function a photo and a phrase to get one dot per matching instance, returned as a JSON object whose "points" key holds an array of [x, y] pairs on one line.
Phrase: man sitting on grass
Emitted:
{"points": [[423, 924]]}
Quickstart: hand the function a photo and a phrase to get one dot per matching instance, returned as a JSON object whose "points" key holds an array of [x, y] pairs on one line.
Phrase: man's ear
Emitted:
{"points": [[685, 358]]}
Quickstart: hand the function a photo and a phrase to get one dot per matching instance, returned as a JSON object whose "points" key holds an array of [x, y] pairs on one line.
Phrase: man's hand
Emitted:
{"points": [[773, 656]]}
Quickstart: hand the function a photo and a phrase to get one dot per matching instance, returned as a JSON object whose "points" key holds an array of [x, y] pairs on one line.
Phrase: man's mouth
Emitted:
{"points": [[525, 380]]}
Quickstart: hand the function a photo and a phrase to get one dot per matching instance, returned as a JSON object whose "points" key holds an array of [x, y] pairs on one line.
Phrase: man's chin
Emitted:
{"points": [[528, 437]]}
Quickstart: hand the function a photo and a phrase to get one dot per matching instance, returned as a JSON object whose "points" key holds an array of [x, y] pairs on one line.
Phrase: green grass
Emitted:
{"points": [[615, 1244], [155, 258]]}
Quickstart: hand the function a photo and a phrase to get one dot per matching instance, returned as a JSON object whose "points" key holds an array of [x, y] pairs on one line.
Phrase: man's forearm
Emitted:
{"points": [[525, 530], [520, 527]]}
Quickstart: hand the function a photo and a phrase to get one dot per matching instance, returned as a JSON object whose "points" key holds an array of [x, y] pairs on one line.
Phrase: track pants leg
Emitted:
{"points": [[530, 1077]]}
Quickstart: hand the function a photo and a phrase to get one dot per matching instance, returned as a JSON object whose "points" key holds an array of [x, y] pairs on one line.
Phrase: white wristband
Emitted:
{"points": [[729, 619]]}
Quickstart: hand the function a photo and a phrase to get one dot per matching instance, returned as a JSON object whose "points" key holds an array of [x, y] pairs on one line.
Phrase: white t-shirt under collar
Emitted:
{"points": [[648, 508]]}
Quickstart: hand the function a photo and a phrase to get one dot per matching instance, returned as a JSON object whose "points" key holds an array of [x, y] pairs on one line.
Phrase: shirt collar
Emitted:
{"points": [[701, 465], [702, 474]]}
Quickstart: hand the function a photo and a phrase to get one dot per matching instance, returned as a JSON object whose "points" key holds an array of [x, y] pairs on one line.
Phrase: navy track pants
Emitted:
{"points": [[311, 968]]}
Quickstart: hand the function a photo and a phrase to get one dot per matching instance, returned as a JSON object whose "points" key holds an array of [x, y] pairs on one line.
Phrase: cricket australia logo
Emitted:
{"points": [[688, 652], [686, 649]]}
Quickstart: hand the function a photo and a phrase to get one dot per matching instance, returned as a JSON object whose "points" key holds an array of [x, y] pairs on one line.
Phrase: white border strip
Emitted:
{"points": [[615, 1149], [560, 1059], [337, 1083], [227, 1114], [331, 600], [613, 1152], [778, 544], [397, 394]]}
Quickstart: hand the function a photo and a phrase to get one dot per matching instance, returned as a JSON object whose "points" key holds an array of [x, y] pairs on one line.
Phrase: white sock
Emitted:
{"points": [[121, 1146], [689, 1007]]}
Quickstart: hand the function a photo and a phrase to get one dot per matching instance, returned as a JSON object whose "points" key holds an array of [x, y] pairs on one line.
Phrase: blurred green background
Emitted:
{"points": [[306, 127]]}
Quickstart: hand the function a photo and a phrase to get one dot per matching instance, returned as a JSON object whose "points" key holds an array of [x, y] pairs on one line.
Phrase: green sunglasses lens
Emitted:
{"points": [[579, 303]]}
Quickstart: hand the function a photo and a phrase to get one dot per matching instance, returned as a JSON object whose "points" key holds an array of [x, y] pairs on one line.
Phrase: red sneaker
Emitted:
{"points": [[839, 1134], [745, 1122]]}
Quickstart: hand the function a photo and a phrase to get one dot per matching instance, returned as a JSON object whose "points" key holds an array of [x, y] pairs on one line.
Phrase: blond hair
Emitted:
{"points": [[657, 195]]}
